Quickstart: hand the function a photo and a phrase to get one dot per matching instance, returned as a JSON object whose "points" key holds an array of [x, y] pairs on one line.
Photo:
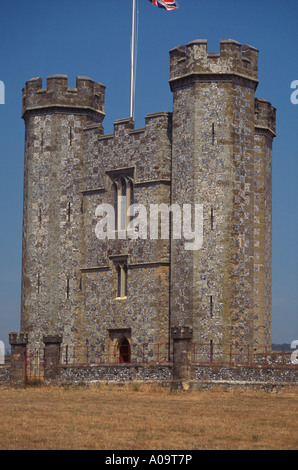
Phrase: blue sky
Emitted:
{"points": [[41, 38]]}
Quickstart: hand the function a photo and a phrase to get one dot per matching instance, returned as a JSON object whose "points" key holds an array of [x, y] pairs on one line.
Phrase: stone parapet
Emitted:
{"points": [[233, 59], [265, 116], [88, 94]]}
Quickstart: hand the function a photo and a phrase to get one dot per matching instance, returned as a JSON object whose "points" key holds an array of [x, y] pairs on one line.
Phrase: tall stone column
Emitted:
{"points": [[18, 372], [182, 342]]}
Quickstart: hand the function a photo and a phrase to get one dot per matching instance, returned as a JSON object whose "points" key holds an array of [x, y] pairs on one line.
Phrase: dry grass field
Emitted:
{"points": [[146, 418]]}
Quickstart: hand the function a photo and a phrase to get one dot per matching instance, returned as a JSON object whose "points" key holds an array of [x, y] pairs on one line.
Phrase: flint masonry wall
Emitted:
{"points": [[145, 156], [260, 377], [53, 176], [4, 374], [69, 276], [265, 116], [217, 154], [215, 150], [271, 374]]}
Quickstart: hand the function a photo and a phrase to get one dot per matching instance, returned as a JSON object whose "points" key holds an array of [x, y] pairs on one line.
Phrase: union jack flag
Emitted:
{"points": [[166, 4]]}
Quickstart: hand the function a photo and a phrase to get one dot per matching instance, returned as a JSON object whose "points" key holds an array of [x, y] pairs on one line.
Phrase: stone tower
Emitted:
{"points": [[214, 150], [54, 173], [221, 158]]}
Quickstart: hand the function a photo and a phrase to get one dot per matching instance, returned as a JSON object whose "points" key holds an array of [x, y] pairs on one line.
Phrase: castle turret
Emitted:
{"points": [[265, 115], [54, 151], [214, 161]]}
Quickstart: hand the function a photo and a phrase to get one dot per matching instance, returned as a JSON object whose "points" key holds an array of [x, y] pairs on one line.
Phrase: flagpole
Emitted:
{"points": [[132, 67]]}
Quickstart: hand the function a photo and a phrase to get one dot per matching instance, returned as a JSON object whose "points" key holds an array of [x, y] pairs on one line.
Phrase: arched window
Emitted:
{"points": [[124, 350]]}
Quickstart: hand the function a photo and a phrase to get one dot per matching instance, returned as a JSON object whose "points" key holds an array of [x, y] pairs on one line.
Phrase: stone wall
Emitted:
{"points": [[4, 374], [53, 174], [250, 376], [181, 374], [144, 155], [214, 149], [221, 158], [203, 376], [121, 373]]}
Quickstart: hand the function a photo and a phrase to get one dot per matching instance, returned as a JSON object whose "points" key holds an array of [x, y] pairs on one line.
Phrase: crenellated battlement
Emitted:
{"points": [[88, 94], [154, 123], [194, 59], [18, 339], [265, 115]]}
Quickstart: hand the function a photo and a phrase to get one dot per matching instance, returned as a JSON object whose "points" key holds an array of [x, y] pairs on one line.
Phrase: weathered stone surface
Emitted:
{"points": [[124, 373], [215, 162], [18, 372], [214, 149]]}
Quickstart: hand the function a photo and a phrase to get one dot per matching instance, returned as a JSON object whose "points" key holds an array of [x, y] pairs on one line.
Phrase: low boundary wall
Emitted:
{"points": [[203, 377], [246, 376], [180, 374], [118, 373]]}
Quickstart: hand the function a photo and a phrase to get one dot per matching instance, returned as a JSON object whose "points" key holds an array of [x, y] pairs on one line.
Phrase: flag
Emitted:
{"points": [[166, 4]]}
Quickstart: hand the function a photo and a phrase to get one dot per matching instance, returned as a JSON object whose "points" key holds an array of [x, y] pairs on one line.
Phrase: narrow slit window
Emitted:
{"points": [[213, 133], [119, 281], [38, 283], [211, 351], [125, 280], [68, 212], [67, 288], [212, 219], [211, 306], [70, 136]]}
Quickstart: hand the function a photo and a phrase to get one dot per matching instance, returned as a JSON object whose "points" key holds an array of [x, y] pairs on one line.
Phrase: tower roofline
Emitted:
{"points": [[193, 60], [87, 95]]}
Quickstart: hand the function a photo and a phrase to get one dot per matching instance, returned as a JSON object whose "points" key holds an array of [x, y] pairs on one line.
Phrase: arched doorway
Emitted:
{"points": [[124, 350]]}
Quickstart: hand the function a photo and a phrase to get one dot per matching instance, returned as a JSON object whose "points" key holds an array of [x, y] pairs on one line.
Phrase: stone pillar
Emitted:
{"points": [[182, 342], [52, 356], [18, 370]]}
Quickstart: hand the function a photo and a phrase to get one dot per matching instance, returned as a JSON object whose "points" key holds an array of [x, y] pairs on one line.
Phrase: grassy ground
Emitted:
{"points": [[146, 418]]}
